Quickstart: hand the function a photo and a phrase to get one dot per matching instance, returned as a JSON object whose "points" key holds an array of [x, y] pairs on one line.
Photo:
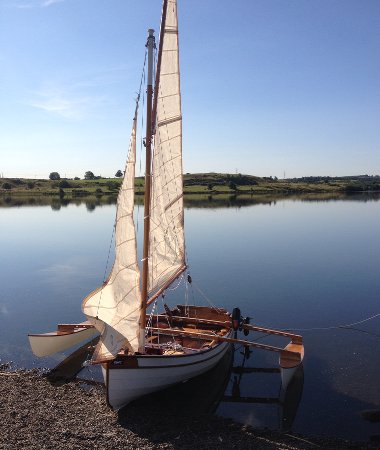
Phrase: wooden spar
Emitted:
{"points": [[296, 338], [148, 162], [169, 282], [71, 327], [289, 356], [159, 59]]}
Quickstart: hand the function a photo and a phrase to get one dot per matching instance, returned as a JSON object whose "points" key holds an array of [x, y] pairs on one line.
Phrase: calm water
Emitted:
{"points": [[292, 264]]}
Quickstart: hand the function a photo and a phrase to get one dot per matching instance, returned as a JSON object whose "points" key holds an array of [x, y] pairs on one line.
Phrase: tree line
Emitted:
{"points": [[87, 176]]}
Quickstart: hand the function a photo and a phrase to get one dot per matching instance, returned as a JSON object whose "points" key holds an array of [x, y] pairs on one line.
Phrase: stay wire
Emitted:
{"points": [[142, 81], [350, 325]]}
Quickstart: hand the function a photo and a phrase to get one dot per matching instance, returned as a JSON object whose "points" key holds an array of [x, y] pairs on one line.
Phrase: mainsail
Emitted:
{"points": [[166, 242], [114, 308]]}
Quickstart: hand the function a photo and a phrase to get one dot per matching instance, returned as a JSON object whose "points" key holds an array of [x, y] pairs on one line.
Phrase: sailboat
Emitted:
{"points": [[141, 352]]}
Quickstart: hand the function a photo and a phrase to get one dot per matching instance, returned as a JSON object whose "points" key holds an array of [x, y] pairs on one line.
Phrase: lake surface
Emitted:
{"points": [[305, 264]]}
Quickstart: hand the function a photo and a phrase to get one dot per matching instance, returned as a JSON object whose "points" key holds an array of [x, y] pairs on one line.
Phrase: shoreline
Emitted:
{"points": [[36, 412], [211, 183]]}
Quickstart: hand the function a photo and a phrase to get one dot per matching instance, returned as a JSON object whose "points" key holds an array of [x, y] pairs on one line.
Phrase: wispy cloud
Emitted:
{"points": [[66, 103], [35, 4], [79, 98], [61, 104], [50, 2]]}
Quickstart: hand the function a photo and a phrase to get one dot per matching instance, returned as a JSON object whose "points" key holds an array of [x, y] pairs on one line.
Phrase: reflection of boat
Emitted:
{"points": [[142, 353], [201, 394], [286, 401]]}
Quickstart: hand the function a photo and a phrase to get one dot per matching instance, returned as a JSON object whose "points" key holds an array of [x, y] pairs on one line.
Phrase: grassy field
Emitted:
{"points": [[203, 184]]}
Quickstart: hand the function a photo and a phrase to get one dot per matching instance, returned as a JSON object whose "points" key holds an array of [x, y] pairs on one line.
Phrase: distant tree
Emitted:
{"points": [[112, 185], [64, 184], [76, 178], [89, 175], [210, 186], [119, 174], [54, 176], [232, 186], [7, 186]]}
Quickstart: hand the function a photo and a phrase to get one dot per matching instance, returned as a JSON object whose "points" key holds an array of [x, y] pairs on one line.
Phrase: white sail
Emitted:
{"points": [[115, 307], [166, 248]]}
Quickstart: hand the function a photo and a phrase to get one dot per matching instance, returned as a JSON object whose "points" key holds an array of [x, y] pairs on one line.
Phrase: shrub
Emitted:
{"points": [[64, 184]]}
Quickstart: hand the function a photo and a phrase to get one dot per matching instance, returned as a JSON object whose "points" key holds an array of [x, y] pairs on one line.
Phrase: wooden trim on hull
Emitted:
{"points": [[137, 361]]}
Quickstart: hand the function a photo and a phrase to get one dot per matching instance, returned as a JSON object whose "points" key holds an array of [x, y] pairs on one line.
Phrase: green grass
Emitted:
{"points": [[204, 184]]}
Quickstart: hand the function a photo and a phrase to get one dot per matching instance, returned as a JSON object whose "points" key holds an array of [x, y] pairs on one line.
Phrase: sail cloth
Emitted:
{"points": [[115, 307], [166, 246]]}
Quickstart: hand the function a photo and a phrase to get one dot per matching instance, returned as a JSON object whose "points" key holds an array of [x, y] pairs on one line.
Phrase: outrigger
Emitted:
{"points": [[176, 326]]}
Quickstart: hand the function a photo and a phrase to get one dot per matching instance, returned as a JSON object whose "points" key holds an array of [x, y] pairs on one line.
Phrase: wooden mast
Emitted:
{"points": [[159, 59], [148, 163], [151, 110]]}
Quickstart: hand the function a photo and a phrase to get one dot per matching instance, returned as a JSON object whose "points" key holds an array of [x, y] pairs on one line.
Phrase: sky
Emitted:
{"points": [[285, 88]]}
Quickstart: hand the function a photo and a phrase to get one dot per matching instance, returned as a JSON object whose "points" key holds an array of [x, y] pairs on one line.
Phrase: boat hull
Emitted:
{"points": [[150, 373], [47, 344]]}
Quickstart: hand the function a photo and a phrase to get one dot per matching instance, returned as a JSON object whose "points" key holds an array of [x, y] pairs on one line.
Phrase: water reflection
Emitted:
{"points": [[220, 391], [190, 201], [306, 262]]}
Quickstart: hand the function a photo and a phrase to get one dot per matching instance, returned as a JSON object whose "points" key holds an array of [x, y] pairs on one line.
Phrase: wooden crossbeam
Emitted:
{"points": [[295, 338], [289, 356]]}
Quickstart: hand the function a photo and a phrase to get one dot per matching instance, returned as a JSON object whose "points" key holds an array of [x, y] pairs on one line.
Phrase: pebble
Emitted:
{"points": [[36, 413]]}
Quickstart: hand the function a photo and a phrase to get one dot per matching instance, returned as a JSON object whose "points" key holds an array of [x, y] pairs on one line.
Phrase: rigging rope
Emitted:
{"points": [[205, 296], [142, 81], [142, 115], [350, 325], [109, 253]]}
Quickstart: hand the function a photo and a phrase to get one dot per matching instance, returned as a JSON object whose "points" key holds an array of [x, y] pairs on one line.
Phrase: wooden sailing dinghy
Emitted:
{"points": [[141, 353]]}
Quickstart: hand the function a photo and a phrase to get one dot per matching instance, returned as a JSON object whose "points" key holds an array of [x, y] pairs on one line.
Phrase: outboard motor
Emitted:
{"points": [[236, 319]]}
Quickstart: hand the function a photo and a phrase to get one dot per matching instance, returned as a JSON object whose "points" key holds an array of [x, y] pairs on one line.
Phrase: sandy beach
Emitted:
{"points": [[37, 413]]}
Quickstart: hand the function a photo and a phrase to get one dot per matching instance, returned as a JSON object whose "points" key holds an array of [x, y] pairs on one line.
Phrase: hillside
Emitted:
{"points": [[198, 183]]}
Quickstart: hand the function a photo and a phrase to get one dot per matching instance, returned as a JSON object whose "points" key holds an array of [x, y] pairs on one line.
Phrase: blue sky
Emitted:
{"points": [[269, 86]]}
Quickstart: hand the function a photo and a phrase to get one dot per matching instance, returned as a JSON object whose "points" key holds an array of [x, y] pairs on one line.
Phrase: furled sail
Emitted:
{"points": [[167, 247], [114, 308]]}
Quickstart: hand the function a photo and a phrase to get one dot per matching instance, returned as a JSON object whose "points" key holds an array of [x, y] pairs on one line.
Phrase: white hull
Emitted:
{"points": [[49, 343], [154, 373]]}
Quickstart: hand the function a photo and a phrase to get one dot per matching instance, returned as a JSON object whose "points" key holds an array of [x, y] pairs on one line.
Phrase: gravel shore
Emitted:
{"points": [[36, 413]]}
